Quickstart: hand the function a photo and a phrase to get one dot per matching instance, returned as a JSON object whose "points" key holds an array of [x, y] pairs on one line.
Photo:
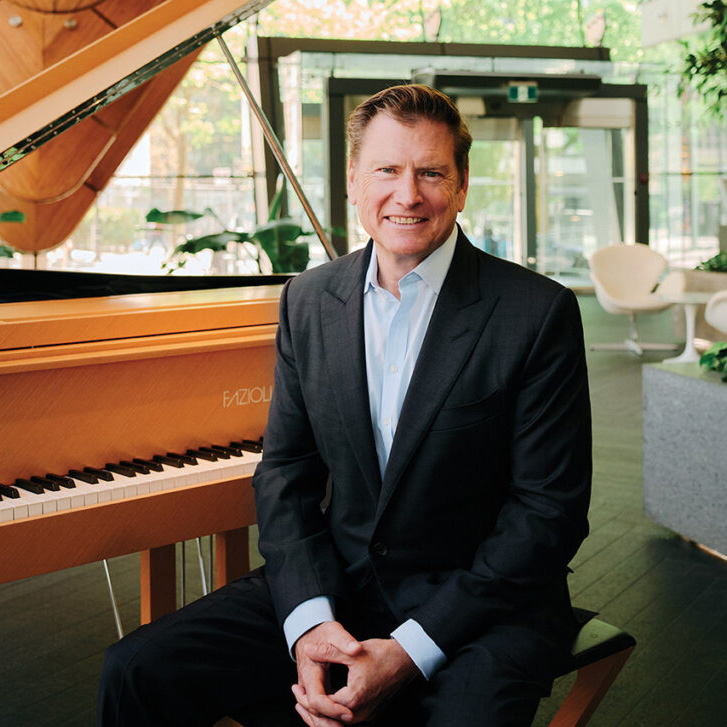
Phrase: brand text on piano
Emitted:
{"points": [[247, 395]]}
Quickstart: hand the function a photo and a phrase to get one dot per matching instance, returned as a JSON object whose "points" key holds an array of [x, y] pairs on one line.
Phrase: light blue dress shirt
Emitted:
{"points": [[394, 331]]}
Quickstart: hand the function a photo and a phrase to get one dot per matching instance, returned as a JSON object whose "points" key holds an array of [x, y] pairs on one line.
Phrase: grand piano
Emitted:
{"points": [[130, 415]]}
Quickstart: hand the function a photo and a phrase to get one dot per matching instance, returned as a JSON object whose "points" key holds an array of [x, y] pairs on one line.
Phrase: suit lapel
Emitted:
{"points": [[343, 334], [457, 322]]}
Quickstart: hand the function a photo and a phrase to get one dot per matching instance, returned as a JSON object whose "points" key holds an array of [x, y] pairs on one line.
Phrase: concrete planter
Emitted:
{"points": [[685, 451]]}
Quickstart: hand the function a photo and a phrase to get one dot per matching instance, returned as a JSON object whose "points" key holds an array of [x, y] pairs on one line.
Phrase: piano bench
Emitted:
{"points": [[599, 652]]}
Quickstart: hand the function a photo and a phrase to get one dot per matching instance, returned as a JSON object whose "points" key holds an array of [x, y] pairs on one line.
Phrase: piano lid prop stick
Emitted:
{"points": [[277, 149]]}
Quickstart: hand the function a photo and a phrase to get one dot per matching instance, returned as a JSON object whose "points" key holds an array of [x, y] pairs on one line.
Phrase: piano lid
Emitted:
{"points": [[32, 329], [82, 83]]}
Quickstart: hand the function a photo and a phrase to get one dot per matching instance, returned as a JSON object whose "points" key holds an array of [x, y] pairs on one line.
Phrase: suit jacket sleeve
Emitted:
{"points": [[290, 485], [543, 517]]}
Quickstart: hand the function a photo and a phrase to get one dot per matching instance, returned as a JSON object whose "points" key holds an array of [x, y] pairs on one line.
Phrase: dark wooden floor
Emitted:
{"points": [[669, 595]]}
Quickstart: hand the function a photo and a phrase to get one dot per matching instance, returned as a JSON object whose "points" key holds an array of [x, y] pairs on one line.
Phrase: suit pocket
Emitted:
{"points": [[460, 416]]}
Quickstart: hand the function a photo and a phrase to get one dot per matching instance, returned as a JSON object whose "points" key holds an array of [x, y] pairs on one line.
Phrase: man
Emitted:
{"points": [[425, 480]]}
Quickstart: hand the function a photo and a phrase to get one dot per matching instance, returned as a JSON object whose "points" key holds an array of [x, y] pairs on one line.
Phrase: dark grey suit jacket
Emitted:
{"points": [[486, 491]]}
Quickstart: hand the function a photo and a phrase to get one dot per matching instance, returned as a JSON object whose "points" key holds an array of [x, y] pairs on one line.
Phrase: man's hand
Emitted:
{"points": [[376, 671], [315, 706]]}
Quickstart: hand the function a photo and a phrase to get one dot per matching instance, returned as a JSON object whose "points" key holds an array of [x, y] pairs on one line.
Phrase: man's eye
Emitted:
{"points": [[432, 174], [387, 170]]}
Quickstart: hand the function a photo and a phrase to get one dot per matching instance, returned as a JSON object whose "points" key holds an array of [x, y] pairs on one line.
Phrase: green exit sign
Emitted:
{"points": [[522, 92]]}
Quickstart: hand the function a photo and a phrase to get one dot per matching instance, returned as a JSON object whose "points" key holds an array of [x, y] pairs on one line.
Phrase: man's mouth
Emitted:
{"points": [[406, 220]]}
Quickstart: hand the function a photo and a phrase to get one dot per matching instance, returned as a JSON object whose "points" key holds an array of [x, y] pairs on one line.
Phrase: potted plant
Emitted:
{"points": [[715, 359], [11, 216], [281, 239]]}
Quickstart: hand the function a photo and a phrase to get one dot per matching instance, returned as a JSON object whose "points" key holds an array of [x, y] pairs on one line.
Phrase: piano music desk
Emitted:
{"points": [[89, 381]]}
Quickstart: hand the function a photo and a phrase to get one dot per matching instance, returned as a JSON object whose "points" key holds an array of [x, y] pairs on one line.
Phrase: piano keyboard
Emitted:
{"points": [[41, 495]]}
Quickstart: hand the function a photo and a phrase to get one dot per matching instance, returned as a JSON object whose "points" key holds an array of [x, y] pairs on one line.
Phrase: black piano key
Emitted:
{"points": [[45, 483], [119, 469], [86, 477], [248, 445], [221, 455], [8, 491], [142, 469], [208, 456], [100, 473], [171, 461], [151, 464], [62, 480], [232, 451], [33, 487], [186, 458]]}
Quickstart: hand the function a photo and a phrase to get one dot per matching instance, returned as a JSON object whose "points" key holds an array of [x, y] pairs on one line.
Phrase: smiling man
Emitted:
{"points": [[424, 484]]}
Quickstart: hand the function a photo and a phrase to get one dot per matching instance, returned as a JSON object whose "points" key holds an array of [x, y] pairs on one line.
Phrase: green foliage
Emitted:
{"points": [[215, 242], [277, 238], [716, 264], [715, 359], [705, 66], [172, 217], [10, 216]]}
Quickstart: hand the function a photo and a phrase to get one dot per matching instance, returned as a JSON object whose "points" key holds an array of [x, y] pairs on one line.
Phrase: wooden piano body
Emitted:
{"points": [[87, 381]]}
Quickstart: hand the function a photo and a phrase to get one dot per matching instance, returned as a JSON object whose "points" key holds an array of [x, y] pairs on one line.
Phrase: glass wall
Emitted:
{"points": [[198, 156]]}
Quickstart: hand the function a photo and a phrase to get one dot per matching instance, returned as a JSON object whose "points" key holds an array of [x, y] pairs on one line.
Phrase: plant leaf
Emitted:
{"points": [[12, 216], [172, 217], [215, 242], [277, 201], [6, 251]]}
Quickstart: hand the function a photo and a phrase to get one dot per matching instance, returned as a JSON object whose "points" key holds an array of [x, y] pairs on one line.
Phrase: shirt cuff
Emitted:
{"points": [[427, 656], [304, 617]]}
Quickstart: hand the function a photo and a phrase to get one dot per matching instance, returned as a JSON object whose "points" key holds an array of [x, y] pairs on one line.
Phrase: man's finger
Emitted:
{"points": [[328, 653], [316, 702], [313, 720]]}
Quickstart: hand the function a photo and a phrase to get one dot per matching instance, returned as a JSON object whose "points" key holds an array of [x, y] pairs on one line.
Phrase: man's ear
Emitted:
{"points": [[462, 192], [350, 186]]}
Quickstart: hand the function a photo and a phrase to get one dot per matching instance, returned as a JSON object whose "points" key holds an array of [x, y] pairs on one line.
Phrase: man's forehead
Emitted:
{"points": [[376, 143]]}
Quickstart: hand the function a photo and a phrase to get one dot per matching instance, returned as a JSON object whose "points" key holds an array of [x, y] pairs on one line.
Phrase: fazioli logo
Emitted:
{"points": [[243, 397]]}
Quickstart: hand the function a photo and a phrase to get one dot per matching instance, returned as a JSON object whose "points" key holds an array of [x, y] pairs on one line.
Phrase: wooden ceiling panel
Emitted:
{"points": [[119, 12], [21, 47], [60, 41]]}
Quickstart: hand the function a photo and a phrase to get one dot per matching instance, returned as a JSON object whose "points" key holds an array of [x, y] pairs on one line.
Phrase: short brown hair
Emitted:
{"points": [[407, 104]]}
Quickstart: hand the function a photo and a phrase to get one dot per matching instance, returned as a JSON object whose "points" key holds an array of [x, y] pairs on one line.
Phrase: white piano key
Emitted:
{"points": [[121, 487], [7, 510]]}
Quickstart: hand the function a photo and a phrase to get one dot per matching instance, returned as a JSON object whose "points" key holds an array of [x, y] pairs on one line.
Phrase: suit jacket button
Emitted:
{"points": [[380, 548]]}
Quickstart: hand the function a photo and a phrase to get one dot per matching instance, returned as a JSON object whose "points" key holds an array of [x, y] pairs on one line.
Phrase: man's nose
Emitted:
{"points": [[407, 190]]}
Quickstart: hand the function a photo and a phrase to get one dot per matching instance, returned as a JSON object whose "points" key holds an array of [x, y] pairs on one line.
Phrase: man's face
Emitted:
{"points": [[406, 187]]}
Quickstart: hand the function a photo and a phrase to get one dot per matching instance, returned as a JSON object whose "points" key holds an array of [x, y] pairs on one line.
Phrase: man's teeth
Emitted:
{"points": [[406, 220]]}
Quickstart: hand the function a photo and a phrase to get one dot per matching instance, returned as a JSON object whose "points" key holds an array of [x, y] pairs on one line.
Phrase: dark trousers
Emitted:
{"points": [[226, 655]]}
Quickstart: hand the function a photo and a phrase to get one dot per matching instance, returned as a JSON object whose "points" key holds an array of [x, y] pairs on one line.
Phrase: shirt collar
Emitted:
{"points": [[432, 270]]}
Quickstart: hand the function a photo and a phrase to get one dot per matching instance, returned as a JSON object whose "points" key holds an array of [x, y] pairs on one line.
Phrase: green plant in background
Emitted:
{"points": [[11, 216], [715, 358], [279, 238], [705, 67], [716, 264]]}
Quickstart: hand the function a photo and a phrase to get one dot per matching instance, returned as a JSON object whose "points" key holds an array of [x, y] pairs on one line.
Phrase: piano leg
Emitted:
{"points": [[158, 582], [232, 555], [158, 571]]}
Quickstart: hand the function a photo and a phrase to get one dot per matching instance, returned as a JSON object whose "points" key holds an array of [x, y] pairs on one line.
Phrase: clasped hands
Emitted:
{"points": [[377, 668]]}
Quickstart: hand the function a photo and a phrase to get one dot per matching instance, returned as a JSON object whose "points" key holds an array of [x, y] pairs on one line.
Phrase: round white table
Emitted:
{"points": [[690, 301]]}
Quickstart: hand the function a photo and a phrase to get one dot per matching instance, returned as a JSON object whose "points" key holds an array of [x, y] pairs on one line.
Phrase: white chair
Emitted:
{"points": [[625, 278], [716, 311]]}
